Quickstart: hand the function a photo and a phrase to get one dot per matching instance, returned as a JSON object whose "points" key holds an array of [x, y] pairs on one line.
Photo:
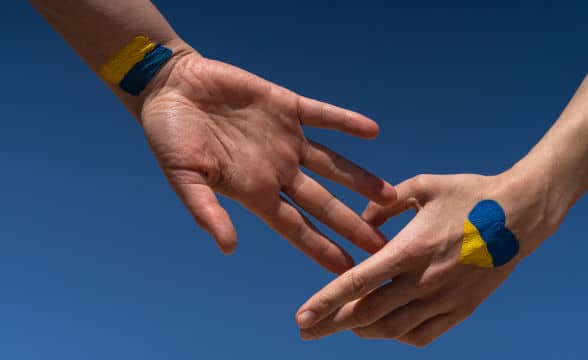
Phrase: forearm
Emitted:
{"points": [[97, 29], [555, 172]]}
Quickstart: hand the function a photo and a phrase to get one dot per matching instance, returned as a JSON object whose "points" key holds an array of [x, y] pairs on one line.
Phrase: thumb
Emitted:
{"points": [[412, 194], [203, 204]]}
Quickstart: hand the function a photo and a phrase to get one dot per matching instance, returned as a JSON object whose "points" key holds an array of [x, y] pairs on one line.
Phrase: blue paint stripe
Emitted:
{"points": [[490, 220], [141, 74]]}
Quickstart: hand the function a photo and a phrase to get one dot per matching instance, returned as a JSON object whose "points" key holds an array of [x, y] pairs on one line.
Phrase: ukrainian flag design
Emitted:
{"points": [[133, 67], [487, 243]]}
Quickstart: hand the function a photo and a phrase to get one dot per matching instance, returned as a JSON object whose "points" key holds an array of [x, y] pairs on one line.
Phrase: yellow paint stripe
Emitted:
{"points": [[115, 69], [473, 249]]}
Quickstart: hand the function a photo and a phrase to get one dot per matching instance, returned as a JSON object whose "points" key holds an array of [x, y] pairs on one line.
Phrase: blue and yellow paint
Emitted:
{"points": [[487, 242], [133, 67]]}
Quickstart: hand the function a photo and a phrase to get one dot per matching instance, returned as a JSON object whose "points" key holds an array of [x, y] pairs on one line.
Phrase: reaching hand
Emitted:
{"points": [[430, 291], [216, 128]]}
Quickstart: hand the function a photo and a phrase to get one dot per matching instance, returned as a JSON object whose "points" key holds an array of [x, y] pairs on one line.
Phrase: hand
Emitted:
{"points": [[216, 128], [430, 291]]}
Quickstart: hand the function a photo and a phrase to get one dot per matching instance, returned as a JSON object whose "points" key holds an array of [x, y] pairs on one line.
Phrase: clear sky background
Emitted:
{"points": [[99, 260]]}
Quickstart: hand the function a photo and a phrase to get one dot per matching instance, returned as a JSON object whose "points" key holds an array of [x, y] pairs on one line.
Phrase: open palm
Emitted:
{"points": [[216, 128]]}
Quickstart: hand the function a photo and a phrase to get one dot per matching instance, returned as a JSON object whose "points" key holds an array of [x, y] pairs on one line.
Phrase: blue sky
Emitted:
{"points": [[99, 260]]}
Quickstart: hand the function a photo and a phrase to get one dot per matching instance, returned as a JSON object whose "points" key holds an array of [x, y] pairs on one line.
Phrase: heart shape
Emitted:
{"points": [[487, 242]]}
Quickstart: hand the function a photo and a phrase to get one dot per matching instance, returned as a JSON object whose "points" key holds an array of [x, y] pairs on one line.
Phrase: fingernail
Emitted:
{"points": [[306, 319]]}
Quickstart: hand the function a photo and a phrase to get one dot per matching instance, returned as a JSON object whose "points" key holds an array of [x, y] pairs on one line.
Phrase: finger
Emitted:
{"points": [[431, 329], [402, 321], [333, 166], [326, 208], [206, 210], [411, 194], [377, 215], [388, 263], [302, 234], [367, 310], [318, 114]]}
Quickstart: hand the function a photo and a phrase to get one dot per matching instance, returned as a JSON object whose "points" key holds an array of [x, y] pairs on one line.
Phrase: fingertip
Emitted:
{"points": [[387, 194], [335, 259], [367, 128], [227, 241], [305, 320], [228, 249], [344, 264], [340, 267], [375, 128], [381, 242], [370, 212]]}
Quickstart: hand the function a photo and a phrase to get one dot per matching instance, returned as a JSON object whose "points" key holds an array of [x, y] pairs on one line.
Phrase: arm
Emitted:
{"points": [[440, 276], [215, 128], [97, 29]]}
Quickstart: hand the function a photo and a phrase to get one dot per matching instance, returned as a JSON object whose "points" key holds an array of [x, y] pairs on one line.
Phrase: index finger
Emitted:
{"points": [[328, 164], [353, 284], [391, 261], [322, 115]]}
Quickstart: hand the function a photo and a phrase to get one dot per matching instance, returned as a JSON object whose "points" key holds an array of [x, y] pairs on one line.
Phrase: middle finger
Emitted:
{"points": [[320, 203]]}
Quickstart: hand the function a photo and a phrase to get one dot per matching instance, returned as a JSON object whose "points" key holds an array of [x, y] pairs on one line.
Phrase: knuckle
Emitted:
{"points": [[305, 151], [332, 171], [413, 254], [423, 185], [326, 110], [424, 245], [289, 153], [356, 282], [422, 181], [295, 185], [328, 208], [257, 186], [302, 235], [323, 303]]}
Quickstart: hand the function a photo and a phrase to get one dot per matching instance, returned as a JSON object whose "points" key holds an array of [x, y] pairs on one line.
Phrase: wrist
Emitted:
{"points": [[537, 196], [135, 104], [540, 189], [530, 203]]}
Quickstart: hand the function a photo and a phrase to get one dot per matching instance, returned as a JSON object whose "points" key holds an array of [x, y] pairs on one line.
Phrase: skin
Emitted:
{"points": [[431, 291], [215, 128]]}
